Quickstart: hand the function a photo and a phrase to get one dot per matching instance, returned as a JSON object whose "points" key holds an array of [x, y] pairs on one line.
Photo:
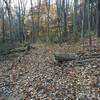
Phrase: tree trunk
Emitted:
{"points": [[3, 27], [33, 34], [98, 18], [75, 17]]}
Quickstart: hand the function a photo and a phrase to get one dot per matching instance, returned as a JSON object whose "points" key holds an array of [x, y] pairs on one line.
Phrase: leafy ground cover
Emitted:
{"points": [[36, 76]]}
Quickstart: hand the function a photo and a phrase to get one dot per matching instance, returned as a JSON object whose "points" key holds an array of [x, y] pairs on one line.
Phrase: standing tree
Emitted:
{"points": [[62, 12], [64, 15], [39, 11], [48, 15], [21, 15], [75, 17], [98, 18], [8, 8]]}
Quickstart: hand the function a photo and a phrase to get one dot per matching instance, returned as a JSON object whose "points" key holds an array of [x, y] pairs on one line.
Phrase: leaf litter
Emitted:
{"points": [[36, 76]]}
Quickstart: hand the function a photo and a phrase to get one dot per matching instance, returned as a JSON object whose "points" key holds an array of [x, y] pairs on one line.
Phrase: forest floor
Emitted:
{"points": [[36, 76]]}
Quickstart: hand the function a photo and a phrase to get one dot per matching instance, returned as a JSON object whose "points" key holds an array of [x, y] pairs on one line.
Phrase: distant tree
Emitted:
{"points": [[98, 18], [39, 11], [8, 8], [75, 28], [33, 33], [21, 15], [48, 14], [62, 12]]}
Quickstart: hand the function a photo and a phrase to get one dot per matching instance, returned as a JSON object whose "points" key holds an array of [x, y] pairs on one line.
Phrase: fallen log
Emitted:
{"points": [[17, 50], [95, 54], [66, 57], [79, 62], [74, 57], [84, 61], [89, 57]]}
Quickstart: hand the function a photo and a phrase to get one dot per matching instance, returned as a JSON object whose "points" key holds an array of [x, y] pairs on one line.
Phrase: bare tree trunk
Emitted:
{"points": [[58, 3], [8, 7], [33, 35], [3, 26], [75, 17], [98, 22], [98, 18], [82, 30], [89, 34], [39, 6], [23, 8], [48, 15]]}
